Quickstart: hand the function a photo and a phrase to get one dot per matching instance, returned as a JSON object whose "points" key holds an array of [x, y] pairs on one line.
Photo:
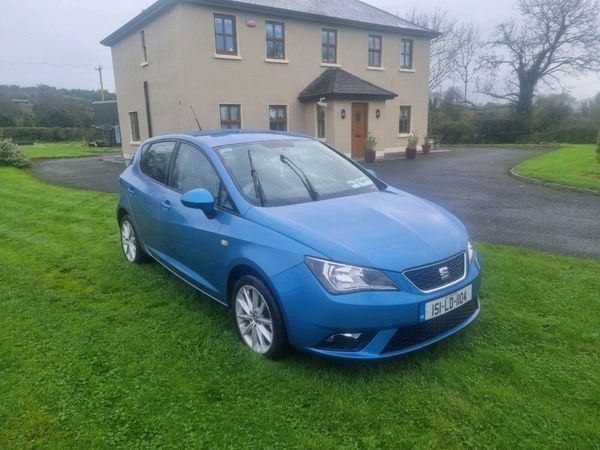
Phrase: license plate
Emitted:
{"points": [[449, 303]]}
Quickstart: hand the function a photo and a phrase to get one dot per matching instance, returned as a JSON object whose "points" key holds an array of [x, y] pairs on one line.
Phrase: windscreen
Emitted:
{"points": [[277, 173]]}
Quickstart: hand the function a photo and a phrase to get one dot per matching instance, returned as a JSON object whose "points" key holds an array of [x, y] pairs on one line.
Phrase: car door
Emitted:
{"points": [[148, 190], [190, 241]]}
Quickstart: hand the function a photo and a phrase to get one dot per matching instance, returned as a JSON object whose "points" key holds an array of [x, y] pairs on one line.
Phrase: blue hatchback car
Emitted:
{"points": [[307, 248]]}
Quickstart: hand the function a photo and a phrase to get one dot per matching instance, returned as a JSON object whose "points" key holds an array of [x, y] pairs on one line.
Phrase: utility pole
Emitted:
{"points": [[99, 69]]}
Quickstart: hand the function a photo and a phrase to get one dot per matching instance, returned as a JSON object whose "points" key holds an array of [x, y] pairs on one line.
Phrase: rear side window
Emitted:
{"points": [[193, 170], [155, 161]]}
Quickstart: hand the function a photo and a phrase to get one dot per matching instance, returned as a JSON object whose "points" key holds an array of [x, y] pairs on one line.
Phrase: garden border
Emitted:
{"points": [[561, 187]]}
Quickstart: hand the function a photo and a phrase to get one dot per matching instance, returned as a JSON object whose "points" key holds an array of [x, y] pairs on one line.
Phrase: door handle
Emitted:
{"points": [[131, 190], [166, 205]]}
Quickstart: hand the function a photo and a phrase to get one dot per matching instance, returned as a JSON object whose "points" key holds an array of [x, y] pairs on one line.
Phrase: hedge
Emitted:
{"points": [[598, 147], [509, 130], [30, 134]]}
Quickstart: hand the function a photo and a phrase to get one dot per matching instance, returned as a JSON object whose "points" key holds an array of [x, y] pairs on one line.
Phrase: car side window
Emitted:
{"points": [[156, 159], [225, 200], [193, 170]]}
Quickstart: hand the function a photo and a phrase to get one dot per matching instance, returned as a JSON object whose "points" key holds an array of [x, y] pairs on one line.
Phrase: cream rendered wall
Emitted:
{"points": [[184, 71], [162, 72]]}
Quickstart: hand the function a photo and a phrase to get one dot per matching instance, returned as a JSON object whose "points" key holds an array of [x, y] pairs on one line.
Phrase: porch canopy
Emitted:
{"points": [[338, 84]]}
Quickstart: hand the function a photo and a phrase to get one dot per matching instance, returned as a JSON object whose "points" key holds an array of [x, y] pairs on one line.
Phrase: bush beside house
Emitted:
{"points": [[11, 155]]}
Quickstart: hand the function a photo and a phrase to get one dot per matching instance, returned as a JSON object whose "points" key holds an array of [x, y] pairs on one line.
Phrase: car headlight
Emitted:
{"points": [[472, 252], [342, 278]]}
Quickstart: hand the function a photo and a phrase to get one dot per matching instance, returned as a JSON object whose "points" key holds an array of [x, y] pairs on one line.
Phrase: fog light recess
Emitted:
{"points": [[347, 342]]}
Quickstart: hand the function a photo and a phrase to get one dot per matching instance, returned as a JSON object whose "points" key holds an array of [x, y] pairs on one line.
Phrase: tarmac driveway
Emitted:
{"points": [[97, 173], [474, 184]]}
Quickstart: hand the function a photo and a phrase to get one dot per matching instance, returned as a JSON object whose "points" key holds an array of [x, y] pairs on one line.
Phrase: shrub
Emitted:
{"points": [[370, 141], [10, 155], [413, 140]]}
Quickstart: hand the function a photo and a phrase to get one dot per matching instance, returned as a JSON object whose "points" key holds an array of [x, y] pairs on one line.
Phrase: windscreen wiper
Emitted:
{"points": [[257, 186], [298, 171]]}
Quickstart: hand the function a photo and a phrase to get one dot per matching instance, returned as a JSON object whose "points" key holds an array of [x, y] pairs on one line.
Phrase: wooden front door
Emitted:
{"points": [[360, 127]]}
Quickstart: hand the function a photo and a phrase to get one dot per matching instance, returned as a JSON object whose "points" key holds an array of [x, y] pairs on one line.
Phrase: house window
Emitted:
{"points": [[329, 46], [275, 40], [278, 118], [143, 42], [134, 121], [225, 35], [231, 117], [405, 117], [375, 50], [406, 59], [320, 122]]}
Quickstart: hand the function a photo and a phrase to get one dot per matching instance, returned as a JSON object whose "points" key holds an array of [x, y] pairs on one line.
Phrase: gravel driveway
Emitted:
{"points": [[474, 184]]}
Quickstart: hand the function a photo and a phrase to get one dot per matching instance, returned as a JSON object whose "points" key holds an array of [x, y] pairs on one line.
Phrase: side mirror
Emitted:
{"points": [[372, 172], [200, 199]]}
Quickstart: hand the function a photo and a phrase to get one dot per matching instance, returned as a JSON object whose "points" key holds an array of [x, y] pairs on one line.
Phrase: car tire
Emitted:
{"points": [[130, 244], [257, 318]]}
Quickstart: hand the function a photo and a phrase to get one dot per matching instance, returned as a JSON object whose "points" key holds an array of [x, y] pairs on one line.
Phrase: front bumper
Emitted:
{"points": [[392, 320]]}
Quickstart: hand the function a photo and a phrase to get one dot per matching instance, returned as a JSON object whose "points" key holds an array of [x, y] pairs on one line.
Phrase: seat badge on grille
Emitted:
{"points": [[444, 273]]}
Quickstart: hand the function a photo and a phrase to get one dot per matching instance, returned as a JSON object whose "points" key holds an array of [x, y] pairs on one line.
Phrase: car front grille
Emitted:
{"points": [[417, 334], [435, 276]]}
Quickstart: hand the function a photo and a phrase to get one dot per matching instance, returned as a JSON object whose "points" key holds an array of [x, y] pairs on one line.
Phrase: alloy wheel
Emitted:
{"points": [[254, 319], [129, 241]]}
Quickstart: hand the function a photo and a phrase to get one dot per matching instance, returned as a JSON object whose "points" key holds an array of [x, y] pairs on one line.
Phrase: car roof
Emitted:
{"points": [[232, 137]]}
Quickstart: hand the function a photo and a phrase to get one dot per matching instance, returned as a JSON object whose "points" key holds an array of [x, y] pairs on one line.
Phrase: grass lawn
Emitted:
{"points": [[517, 146], [96, 353], [69, 149], [571, 165]]}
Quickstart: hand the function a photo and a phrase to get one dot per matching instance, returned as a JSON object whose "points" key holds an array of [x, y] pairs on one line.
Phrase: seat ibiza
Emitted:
{"points": [[308, 249]]}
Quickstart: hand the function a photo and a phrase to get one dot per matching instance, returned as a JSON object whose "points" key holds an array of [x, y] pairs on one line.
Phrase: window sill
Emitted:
{"points": [[407, 70], [403, 135], [135, 143], [330, 65], [144, 64], [380, 69], [229, 57], [277, 61]]}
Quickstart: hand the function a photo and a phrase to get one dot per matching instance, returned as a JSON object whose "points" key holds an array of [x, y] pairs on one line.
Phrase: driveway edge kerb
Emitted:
{"points": [[561, 187]]}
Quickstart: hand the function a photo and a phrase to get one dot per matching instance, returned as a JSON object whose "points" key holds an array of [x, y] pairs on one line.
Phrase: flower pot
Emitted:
{"points": [[370, 155], [411, 152], [426, 148]]}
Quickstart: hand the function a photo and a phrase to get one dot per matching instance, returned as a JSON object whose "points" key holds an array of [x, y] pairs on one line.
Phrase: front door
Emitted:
{"points": [[360, 127]]}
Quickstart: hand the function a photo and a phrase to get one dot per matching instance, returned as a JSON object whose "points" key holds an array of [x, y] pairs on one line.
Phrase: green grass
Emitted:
{"points": [[516, 146], [70, 149], [571, 165], [96, 353]]}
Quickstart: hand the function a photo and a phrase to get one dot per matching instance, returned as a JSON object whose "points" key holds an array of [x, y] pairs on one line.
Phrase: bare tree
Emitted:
{"points": [[468, 50], [553, 38], [443, 48]]}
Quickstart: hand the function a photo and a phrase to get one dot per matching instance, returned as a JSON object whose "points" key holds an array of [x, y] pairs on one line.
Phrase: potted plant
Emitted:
{"points": [[426, 146], [411, 150], [370, 144]]}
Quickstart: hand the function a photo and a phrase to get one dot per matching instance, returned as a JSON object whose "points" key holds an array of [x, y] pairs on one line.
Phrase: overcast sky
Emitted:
{"points": [[56, 42]]}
